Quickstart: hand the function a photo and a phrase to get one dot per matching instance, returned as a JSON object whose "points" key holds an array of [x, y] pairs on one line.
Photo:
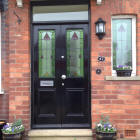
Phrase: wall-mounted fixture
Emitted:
{"points": [[101, 58], [98, 71], [100, 28], [1, 5], [99, 2], [19, 3], [18, 18]]}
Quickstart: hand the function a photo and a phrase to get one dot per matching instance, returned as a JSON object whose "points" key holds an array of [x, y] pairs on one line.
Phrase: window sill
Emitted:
{"points": [[115, 78]]}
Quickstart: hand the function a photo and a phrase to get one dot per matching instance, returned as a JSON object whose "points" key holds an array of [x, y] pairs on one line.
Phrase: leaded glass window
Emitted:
{"points": [[75, 58], [46, 53], [122, 42]]}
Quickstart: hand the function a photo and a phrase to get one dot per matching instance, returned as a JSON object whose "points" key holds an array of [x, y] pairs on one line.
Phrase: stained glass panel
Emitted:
{"points": [[75, 58], [47, 54], [122, 43]]}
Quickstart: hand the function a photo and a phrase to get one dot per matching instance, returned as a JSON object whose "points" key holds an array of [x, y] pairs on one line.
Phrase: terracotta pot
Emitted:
{"points": [[18, 136], [124, 73], [106, 136]]}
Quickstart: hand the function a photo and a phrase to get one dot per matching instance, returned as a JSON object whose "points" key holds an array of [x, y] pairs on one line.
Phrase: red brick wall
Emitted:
{"points": [[118, 99], [19, 62]]}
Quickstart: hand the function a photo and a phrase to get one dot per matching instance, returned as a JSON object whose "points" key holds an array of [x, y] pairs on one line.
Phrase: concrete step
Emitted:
{"points": [[129, 139], [63, 134]]}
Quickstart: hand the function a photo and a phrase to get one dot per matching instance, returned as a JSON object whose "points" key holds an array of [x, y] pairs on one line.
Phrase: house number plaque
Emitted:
{"points": [[46, 83]]}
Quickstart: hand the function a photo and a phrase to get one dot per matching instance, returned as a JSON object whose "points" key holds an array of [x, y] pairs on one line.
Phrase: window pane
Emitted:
{"points": [[47, 54], [75, 58], [122, 42], [60, 13]]}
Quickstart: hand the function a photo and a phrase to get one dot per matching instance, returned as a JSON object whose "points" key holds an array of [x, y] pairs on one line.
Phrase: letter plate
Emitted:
{"points": [[46, 83]]}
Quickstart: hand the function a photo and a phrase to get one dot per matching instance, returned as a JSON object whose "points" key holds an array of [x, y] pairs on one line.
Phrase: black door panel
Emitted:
{"points": [[60, 76]]}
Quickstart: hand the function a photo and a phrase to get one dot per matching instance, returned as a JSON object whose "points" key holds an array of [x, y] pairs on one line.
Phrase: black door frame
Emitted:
{"points": [[59, 2]]}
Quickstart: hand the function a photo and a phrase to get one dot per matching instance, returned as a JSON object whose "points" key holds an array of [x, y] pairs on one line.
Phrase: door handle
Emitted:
{"points": [[63, 77]]}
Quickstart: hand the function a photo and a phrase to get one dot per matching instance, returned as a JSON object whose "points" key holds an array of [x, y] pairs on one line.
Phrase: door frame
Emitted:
{"points": [[59, 2]]}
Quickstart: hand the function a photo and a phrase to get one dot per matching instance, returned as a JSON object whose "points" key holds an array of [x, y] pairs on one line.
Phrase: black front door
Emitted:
{"points": [[60, 76]]}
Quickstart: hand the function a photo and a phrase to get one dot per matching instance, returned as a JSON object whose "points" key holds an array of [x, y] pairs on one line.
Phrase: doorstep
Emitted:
{"points": [[128, 139], [63, 134]]}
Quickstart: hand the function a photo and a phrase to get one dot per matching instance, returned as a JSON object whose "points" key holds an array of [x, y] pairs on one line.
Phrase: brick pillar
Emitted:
{"points": [[19, 62]]}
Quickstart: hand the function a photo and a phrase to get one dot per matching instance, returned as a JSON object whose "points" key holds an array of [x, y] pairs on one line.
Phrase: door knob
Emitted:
{"points": [[63, 77], [62, 57]]}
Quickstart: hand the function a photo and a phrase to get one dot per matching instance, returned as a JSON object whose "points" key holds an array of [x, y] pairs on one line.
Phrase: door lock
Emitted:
{"points": [[63, 77]]}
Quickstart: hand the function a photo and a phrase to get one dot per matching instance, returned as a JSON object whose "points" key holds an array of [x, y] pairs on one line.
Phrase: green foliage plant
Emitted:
{"points": [[105, 126], [13, 128]]}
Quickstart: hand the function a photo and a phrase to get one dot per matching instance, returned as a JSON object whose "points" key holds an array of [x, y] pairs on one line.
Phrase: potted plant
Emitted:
{"points": [[123, 70], [13, 131], [105, 130], [2, 123]]}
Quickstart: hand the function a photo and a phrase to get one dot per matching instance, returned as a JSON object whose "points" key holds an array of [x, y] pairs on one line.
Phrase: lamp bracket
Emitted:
{"points": [[18, 18]]}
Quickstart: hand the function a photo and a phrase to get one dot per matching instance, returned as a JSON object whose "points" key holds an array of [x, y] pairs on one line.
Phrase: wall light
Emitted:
{"points": [[100, 28]]}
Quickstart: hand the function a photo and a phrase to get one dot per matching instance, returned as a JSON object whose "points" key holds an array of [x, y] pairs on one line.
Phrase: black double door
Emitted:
{"points": [[60, 76]]}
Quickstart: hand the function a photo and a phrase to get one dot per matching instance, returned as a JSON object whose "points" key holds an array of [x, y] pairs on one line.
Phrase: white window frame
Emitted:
{"points": [[133, 18]]}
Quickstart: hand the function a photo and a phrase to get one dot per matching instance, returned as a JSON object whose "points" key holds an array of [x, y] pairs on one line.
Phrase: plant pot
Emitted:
{"points": [[2, 123], [18, 136], [106, 136], [124, 73]]}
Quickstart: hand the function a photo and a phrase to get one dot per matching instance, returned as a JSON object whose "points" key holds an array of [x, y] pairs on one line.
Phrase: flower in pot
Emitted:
{"points": [[13, 131], [123, 70], [2, 123], [105, 130]]}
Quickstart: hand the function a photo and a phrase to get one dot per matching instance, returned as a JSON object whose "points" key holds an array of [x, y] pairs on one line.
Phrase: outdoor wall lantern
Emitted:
{"points": [[100, 28], [19, 3]]}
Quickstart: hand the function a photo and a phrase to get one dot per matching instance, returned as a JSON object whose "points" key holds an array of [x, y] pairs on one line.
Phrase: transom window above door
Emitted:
{"points": [[60, 13]]}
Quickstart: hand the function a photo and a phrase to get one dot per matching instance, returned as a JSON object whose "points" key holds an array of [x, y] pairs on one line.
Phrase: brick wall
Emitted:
{"points": [[118, 99], [19, 62]]}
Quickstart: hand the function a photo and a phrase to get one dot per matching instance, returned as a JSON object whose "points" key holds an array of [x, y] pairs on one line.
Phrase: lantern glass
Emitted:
{"points": [[101, 27], [97, 28]]}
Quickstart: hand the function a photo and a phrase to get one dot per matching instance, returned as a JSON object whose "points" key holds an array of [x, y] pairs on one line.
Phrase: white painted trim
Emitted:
{"points": [[133, 42], [1, 91], [99, 2], [19, 3]]}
